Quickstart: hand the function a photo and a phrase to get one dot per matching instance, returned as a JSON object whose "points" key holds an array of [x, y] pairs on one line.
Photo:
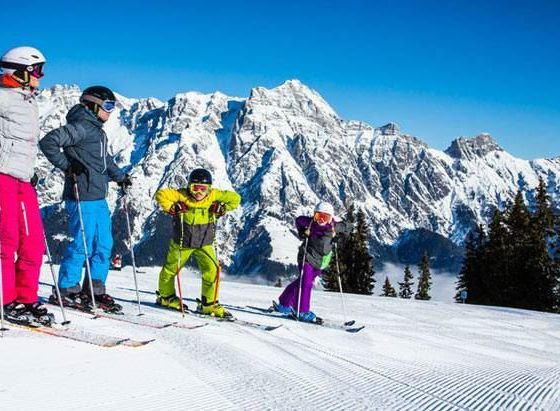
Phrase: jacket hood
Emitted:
{"points": [[81, 113]]}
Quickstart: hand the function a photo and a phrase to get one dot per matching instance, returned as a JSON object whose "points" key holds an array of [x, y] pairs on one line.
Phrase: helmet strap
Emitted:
{"points": [[22, 77]]}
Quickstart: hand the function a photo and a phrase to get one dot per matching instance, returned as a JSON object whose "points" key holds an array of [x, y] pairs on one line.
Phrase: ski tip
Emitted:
{"points": [[273, 327], [355, 330], [350, 323]]}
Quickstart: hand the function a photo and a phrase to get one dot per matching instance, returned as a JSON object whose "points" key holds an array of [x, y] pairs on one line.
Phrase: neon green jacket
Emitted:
{"points": [[199, 224]]}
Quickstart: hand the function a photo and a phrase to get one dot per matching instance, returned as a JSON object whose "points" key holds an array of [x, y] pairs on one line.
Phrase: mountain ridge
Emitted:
{"points": [[283, 149]]}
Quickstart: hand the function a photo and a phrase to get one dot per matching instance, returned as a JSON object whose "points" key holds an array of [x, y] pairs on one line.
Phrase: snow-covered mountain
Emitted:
{"points": [[283, 149]]}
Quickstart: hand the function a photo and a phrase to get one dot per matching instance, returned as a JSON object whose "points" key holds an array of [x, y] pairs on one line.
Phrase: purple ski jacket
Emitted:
{"points": [[319, 244]]}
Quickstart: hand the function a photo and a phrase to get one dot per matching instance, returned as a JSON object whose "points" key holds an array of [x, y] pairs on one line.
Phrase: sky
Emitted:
{"points": [[440, 70]]}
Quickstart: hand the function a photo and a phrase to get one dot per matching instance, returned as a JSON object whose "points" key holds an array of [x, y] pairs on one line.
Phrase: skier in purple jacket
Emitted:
{"points": [[317, 233]]}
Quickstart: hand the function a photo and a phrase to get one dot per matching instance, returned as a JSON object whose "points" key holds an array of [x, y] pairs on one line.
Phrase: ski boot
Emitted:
{"points": [[106, 303], [76, 301], [309, 317], [172, 302], [40, 314], [214, 310], [283, 309], [15, 313], [33, 315]]}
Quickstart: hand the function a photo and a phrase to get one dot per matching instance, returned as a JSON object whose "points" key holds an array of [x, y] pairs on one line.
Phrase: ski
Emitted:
{"points": [[100, 340], [235, 320], [232, 320], [132, 318], [348, 326]]}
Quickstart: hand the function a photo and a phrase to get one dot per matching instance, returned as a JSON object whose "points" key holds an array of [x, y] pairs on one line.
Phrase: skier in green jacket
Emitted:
{"points": [[195, 210]]}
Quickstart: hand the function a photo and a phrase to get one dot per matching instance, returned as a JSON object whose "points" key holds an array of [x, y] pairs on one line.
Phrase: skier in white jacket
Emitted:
{"points": [[21, 229]]}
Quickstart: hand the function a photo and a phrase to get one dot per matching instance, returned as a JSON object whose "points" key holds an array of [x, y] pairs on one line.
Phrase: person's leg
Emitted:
{"points": [[289, 296], [102, 244], [73, 260], [207, 263], [9, 236], [31, 245], [309, 275], [166, 286]]}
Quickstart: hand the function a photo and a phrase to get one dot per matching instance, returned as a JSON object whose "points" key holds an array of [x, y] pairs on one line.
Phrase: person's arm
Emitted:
{"points": [[343, 228], [230, 199], [113, 171], [65, 136], [166, 197], [303, 224]]}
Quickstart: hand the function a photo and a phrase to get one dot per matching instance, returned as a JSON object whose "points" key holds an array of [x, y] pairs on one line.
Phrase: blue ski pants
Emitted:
{"points": [[99, 240]]}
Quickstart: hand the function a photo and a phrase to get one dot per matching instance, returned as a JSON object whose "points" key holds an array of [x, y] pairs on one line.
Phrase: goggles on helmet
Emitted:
{"points": [[322, 218], [106, 105], [36, 70], [199, 188]]}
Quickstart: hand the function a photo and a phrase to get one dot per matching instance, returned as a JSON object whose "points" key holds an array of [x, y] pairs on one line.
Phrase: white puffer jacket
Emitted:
{"points": [[19, 132]]}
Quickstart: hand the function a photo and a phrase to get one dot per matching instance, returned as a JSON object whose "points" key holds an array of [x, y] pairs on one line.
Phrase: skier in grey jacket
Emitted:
{"points": [[85, 159], [21, 229]]}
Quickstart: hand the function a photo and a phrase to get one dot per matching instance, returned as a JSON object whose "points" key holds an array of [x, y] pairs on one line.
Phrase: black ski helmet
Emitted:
{"points": [[200, 176], [102, 93], [93, 97]]}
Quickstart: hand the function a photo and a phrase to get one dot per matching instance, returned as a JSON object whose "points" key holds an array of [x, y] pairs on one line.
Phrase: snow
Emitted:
{"points": [[411, 355]]}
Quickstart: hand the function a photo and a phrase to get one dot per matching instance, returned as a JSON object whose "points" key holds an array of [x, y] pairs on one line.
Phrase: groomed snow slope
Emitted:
{"points": [[411, 356]]}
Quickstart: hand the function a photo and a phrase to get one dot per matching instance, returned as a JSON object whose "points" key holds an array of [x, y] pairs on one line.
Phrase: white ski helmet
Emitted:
{"points": [[324, 207], [21, 59]]}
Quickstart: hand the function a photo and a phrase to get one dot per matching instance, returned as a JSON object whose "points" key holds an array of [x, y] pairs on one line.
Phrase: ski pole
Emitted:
{"points": [[179, 267], [88, 269], [125, 205], [2, 329], [340, 283], [301, 276], [57, 289]]}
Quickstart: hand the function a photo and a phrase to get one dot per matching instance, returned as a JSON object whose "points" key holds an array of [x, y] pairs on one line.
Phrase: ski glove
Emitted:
{"points": [[127, 182], [178, 207], [305, 233], [76, 168], [217, 208], [34, 180]]}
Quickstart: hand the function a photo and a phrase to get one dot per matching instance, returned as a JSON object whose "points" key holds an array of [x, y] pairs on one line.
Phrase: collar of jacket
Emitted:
{"points": [[80, 112], [9, 83]]}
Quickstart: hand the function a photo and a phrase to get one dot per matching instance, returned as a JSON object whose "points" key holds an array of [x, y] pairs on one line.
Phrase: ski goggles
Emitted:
{"points": [[321, 217], [35, 70], [106, 105], [199, 188]]}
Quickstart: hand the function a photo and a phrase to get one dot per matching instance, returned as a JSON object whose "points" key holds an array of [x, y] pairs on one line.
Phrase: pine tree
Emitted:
{"points": [[424, 280], [388, 290], [363, 261], [470, 276], [542, 271], [405, 288], [494, 260]]}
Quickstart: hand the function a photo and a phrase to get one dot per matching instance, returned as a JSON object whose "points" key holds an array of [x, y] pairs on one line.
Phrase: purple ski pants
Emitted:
{"points": [[289, 297]]}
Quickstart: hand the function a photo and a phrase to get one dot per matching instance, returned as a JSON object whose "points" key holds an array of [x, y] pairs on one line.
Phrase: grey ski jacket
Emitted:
{"points": [[82, 139]]}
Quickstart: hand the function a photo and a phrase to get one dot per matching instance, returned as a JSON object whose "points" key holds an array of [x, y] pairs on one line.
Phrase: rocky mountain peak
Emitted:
{"points": [[389, 129], [469, 148]]}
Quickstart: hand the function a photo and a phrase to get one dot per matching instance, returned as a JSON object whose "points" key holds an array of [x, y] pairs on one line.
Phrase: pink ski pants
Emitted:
{"points": [[21, 240]]}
